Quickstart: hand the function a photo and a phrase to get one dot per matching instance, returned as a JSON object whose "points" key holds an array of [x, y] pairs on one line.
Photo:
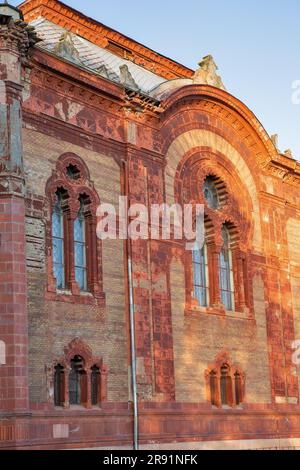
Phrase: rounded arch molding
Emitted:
{"points": [[197, 106], [188, 143], [235, 203]]}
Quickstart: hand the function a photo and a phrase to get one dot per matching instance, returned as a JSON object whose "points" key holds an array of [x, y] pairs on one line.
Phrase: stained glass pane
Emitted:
{"points": [[79, 230], [226, 273], [80, 250], [80, 275], [57, 224], [79, 254], [200, 279], [58, 250], [58, 272], [58, 245]]}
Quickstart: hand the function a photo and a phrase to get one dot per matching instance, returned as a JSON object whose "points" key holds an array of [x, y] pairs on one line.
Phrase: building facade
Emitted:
{"points": [[88, 115]]}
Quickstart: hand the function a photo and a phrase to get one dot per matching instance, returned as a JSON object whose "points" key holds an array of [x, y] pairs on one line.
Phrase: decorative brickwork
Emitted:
{"points": [[72, 179], [203, 373]]}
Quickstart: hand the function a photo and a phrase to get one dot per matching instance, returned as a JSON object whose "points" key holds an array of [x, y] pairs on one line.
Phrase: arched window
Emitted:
{"points": [[211, 193], [80, 248], [59, 385], [95, 385], [226, 272], [75, 259], [213, 384], [225, 385], [77, 382], [58, 248], [200, 271]]}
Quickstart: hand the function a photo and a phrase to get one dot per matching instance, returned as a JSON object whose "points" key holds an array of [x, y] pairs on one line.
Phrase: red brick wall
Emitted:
{"points": [[199, 129]]}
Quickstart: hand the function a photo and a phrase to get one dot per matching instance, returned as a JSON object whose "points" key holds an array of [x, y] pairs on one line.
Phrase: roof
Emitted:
{"points": [[98, 60], [103, 36]]}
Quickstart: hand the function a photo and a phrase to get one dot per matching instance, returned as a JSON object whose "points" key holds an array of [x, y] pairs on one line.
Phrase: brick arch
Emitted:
{"points": [[74, 188], [213, 105], [188, 142], [189, 179]]}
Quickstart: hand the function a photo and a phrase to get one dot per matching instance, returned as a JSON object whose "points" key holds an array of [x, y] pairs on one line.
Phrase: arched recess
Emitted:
{"points": [[190, 140], [200, 115]]}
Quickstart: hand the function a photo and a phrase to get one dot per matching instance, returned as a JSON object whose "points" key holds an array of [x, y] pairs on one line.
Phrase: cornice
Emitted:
{"points": [[101, 35], [289, 174], [67, 73], [91, 89]]}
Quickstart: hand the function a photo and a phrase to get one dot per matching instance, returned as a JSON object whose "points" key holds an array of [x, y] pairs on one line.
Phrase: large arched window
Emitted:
{"points": [[80, 248], [226, 272], [58, 242], [201, 279], [75, 258]]}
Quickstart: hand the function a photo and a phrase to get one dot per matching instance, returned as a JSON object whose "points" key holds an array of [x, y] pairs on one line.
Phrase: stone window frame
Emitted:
{"points": [[78, 347], [223, 359], [74, 189]]}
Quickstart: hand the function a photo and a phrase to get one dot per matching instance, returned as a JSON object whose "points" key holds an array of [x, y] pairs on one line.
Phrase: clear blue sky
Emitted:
{"points": [[256, 45]]}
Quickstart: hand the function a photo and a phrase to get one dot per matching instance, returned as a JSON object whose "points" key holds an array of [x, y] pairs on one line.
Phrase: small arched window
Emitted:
{"points": [[77, 382], [201, 279], [59, 385], [95, 385], [58, 248], [225, 385], [226, 272], [211, 193], [213, 384]]}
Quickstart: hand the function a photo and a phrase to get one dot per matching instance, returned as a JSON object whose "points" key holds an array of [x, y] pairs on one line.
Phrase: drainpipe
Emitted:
{"points": [[132, 323]]}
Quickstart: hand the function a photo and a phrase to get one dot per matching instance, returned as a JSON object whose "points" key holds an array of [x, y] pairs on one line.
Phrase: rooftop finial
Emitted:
{"points": [[207, 73]]}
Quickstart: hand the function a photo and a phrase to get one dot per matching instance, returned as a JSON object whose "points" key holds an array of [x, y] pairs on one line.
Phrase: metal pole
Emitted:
{"points": [[133, 358], [132, 324]]}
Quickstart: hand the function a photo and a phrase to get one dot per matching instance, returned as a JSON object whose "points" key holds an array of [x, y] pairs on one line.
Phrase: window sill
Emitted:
{"points": [[219, 312], [228, 408], [77, 408], [84, 298]]}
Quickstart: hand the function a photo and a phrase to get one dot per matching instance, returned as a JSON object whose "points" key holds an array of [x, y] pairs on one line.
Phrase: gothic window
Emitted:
{"points": [[225, 385], [58, 243], [77, 381], [226, 272], [59, 379], [211, 193], [238, 388], [213, 384], [75, 259], [80, 378], [80, 248], [200, 272], [95, 385]]}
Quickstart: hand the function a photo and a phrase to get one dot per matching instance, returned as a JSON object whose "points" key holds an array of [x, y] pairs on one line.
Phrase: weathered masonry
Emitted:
{"points": [[88, 115]]}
